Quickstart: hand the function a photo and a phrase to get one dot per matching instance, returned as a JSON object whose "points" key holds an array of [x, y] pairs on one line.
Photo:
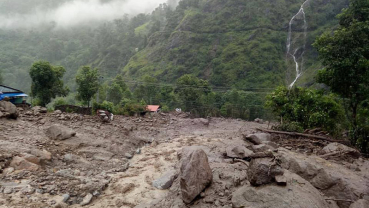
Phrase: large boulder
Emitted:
{"points": [[258, 138], [238, 152], [263, 171], [299, 193], [56, 132], [340, 149], [165, 181], [334, 180], [8, 110], [195, 173]]}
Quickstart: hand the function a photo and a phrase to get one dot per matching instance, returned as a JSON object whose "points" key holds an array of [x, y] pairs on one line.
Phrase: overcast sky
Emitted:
{"points": [[76, 12]]}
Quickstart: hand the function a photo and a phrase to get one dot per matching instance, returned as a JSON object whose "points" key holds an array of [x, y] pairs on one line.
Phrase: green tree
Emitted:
{"points": [[87, 84], [190, 89], [345, 56], [118, 90], [148, 91], [47, 82], [305, 108]]}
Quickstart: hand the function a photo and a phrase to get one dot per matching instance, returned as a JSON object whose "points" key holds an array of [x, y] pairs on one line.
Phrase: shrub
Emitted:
{"points": [[301, 108]]}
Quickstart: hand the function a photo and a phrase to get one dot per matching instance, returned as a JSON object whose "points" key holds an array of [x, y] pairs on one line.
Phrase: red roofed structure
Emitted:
{"points": [[153, 108]]}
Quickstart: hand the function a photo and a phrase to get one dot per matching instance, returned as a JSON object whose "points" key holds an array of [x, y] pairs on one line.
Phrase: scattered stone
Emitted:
{"points": [[8, 170], [138, 151], [66, 197], [262, 148], [128, 156], [258, 138], [19, 163], [86, 200], [96, 193], [238, 152], [281, 180], [165, 181], [57, 112], [8, 190], [263, 171], [204, 121], [258, 120], [195, 173], [28, 190], [31, 158], [56, 132]]}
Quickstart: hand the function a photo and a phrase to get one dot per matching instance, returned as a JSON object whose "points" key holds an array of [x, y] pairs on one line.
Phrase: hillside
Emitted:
{"points": [[236, 43]]}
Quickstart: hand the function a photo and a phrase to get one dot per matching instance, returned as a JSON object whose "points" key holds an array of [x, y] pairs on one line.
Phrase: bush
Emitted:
{"points": [[106, 105], [302, 109], [59, 101], [130, 109]]}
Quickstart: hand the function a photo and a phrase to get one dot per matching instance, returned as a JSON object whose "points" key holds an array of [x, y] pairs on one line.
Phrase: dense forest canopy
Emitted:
{"points": [[235, 43]]}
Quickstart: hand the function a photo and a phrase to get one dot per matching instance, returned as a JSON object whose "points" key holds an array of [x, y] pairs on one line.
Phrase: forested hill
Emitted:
{"points": [[237, 43]]}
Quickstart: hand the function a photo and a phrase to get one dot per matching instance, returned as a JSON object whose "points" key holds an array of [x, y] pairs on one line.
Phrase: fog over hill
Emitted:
{"points": [[67, 13]]}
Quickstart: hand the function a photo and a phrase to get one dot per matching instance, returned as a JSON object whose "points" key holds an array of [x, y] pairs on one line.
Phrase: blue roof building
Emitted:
{"points": [[13, 95]]}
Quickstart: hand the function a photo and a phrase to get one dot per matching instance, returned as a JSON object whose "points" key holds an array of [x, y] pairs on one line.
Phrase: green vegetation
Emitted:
{"points": [[346, 60], [46, 82], [300, 109], [87, 84]]}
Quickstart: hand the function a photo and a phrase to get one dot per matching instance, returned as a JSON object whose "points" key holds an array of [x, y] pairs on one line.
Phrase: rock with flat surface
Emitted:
{"points": [[87, 199], [340, 148], [165, 181], [195, 173], [263, 171], [298, 194], [334, 180], [238, 152], [258, 138], [57, 132], [281, 180]]}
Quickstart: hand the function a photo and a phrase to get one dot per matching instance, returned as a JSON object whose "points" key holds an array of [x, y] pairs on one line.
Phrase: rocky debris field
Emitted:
{"points": [[169, 160]]}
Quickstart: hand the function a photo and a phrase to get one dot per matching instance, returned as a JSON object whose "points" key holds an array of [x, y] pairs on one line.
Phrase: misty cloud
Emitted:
{"points": [[77, 12]]}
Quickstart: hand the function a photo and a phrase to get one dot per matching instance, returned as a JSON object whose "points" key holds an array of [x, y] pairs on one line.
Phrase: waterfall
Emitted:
{"points": [[299, 50]]}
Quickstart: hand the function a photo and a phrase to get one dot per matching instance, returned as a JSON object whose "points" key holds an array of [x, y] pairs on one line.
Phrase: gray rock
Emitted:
{"points": [[263, 171], [128, 156], [361, 203], [195, 173], [57, 132], [165, 181], [8, 190], [9, 110], [65, 197], [337, 147], [138, 151], [87, 199], [238, 152], [281, 180], [258, 138], [298, 194], [58, 112], [262, 148]]}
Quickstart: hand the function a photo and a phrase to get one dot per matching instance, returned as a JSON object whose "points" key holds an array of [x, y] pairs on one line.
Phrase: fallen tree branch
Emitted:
{"points": [[344, 200], [310, 136]]}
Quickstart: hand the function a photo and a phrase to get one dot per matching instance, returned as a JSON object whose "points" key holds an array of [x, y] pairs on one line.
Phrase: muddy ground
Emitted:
{"points": [[98, 159]]}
